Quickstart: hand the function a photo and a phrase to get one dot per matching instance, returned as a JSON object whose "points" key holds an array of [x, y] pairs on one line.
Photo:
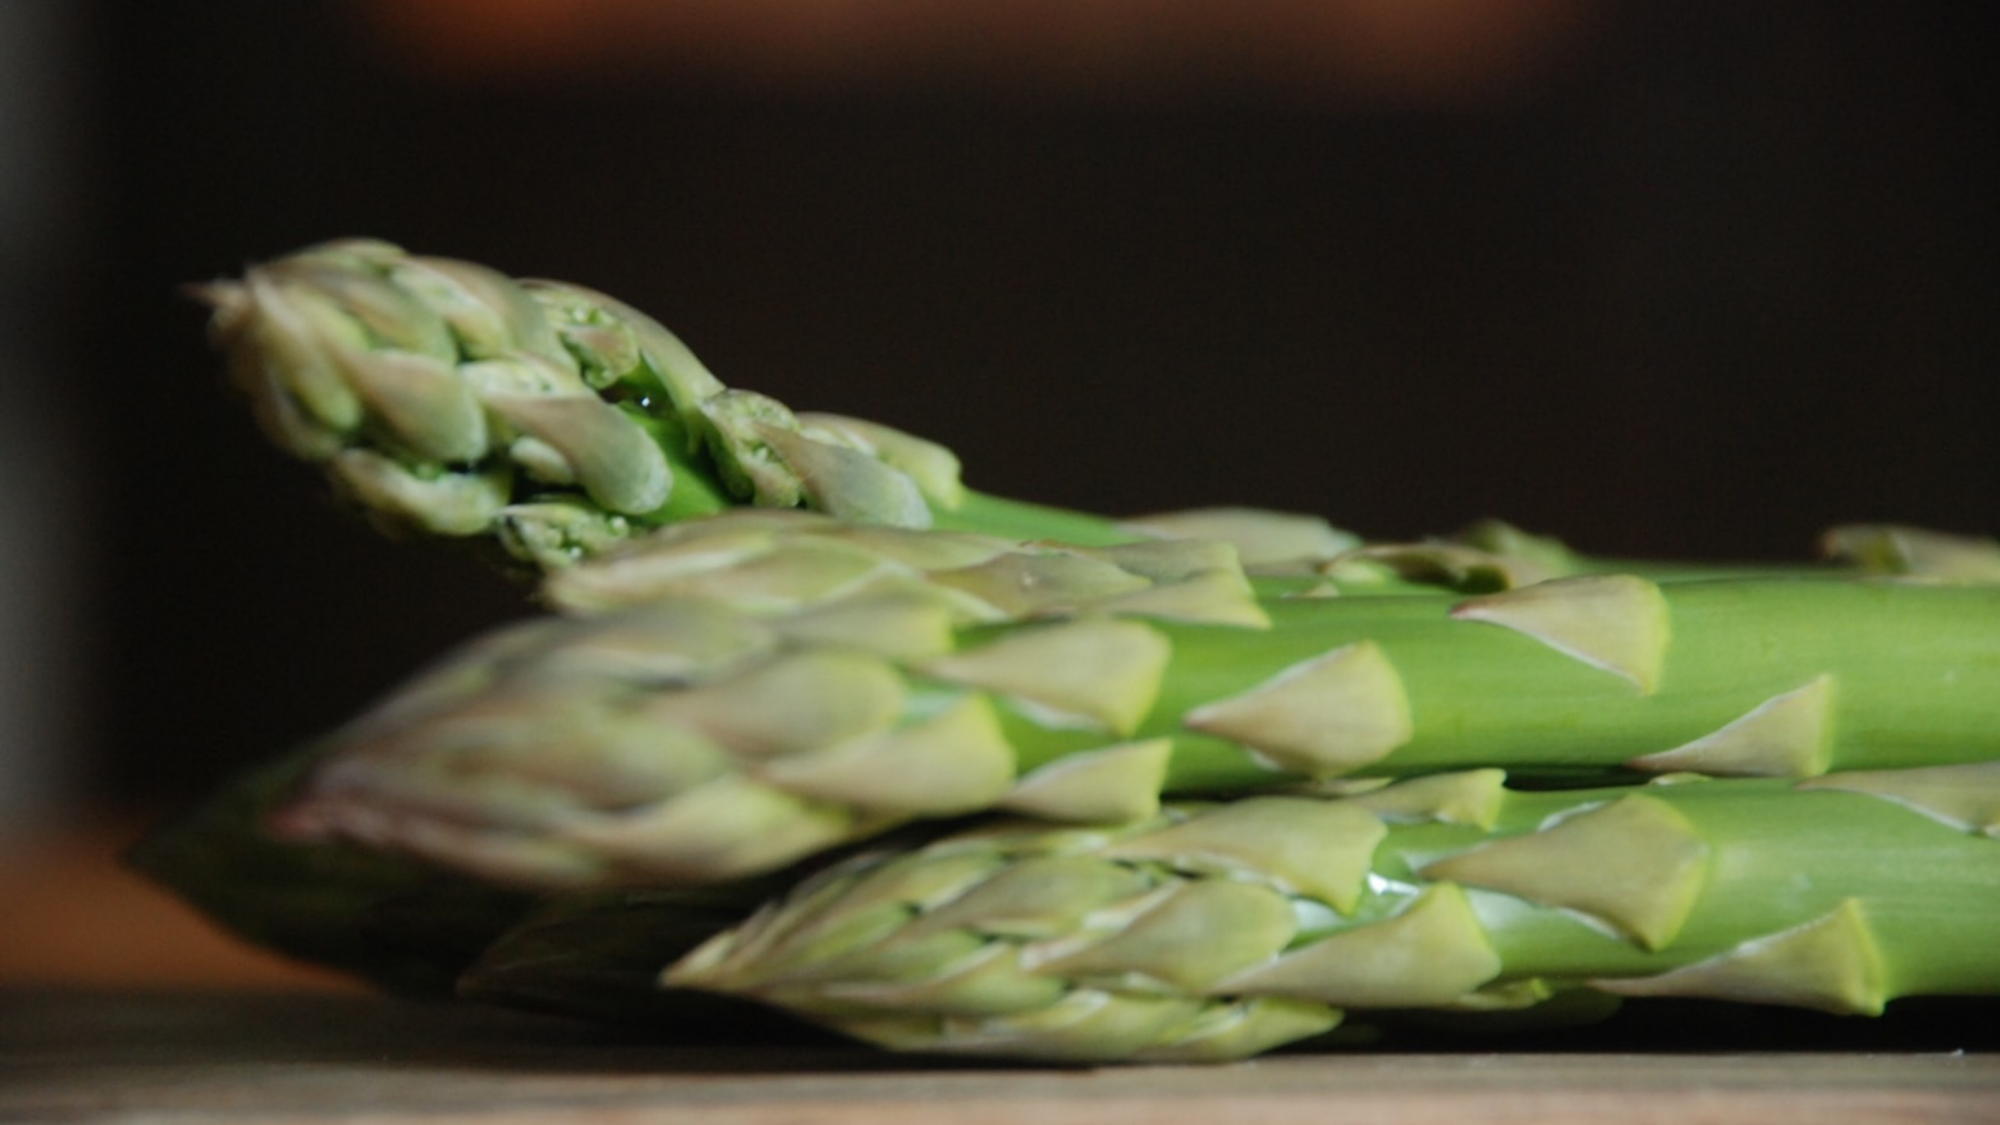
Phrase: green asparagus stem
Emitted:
{"points": [[1216, 931], [767, 705], [412, 926], [446, 399]]}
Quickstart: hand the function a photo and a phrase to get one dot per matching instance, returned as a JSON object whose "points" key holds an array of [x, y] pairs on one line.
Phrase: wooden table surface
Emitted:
{"points": [[117, 1004], [80, 1055]]}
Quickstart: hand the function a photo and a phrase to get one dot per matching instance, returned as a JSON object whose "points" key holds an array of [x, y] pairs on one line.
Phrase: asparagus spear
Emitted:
{"points": [[1215, 931], [697, 739], [447, 399], [412, 925]]}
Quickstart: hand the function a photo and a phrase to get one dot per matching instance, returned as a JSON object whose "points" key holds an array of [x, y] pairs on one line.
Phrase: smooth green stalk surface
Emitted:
{"points": [[1915, 676], [987, 514]]}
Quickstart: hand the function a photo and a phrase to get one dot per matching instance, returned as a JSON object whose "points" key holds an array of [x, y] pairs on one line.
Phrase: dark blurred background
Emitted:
{"points": [[1672, 279]]}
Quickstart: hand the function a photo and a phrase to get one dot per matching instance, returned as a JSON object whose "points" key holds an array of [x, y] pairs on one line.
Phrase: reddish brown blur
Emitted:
{"points": [[75, 917], [1420, 50]]}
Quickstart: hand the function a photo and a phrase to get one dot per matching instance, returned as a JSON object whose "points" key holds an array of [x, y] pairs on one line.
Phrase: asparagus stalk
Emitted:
{"points": [[1215, 931], [412, 926], [447, 399], [767, 706]]}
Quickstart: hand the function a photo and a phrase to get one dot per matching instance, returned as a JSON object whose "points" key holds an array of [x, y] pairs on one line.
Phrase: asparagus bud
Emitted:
{"points": [[447, 398], [1216, 931], [758, 705]]}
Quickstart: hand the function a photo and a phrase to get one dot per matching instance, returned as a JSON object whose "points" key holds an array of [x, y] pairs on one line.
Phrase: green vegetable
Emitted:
{"points": [[447, 399], [412, 926], [782, 635], [1216, 931], [795, 685]]}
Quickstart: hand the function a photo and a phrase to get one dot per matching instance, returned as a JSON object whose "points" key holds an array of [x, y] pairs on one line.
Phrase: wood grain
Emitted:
{"points": [[73, 1055]]}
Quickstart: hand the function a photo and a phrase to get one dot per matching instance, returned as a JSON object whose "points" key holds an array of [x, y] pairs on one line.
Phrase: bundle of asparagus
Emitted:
{"points": [[777, 637]]}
